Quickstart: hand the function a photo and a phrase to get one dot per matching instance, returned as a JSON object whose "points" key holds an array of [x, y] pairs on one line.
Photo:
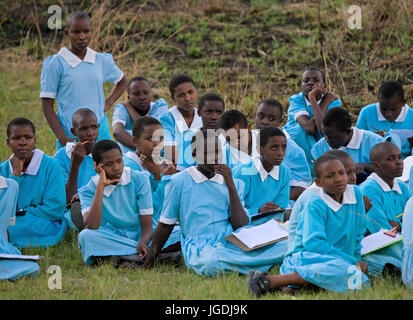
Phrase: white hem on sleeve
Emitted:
{"points": [[119, 121], [167, 220], [145, 212], [300, 113], [51, 95], [118, 79], [297, 183]]}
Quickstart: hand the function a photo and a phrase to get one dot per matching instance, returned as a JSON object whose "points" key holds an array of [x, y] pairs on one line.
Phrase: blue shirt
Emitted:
{"points": [[121, 115], [358, 148], [77, 83]]}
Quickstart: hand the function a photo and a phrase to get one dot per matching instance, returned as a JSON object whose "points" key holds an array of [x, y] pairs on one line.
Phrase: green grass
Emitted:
{"points": [[245, 51]]}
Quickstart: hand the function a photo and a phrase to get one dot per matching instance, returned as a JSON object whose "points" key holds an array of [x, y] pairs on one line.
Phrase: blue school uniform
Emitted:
{"points": [[11, 269], [358, 148], [205, 223], [78, 84], [299, 105], [121, 115], [261, 186], [387, 205], [122, 206], [407, 233], [177, 133], [411, 181], [370, 116], [42, 194], [327, 244], [233, 157]]}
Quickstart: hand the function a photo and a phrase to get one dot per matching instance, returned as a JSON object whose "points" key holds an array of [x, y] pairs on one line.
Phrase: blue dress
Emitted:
{"points": [[11, 269], [407, 233], [327, 243], [42, 194], [205, 222], [122, 206]]}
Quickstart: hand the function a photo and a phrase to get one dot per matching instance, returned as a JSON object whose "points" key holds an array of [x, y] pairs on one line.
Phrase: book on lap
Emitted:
{"points": [[377, 241]]}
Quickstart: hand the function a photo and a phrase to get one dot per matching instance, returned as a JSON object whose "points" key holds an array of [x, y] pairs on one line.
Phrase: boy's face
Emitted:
{"points": [[112, 163], [391, 108], [350, 168], [309, 79], [140, 95], [150, 138], [274, 151], [390, 163], [336, 138], [185, 96], [21, 141], [333, 177], [267, 116], [211, 113], [86, 129], [79, 33]]}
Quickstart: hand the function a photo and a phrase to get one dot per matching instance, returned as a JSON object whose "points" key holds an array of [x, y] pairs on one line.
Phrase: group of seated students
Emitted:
{"points": [[177, 181]]}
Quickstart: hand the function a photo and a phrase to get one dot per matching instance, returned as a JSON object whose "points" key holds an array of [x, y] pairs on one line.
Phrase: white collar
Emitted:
{"points": [[400, 118], [133, 156], [34, 164], [124, 180], [349, 197], [74, 60], [308, 104], [3, 182], [384, 186], [274, 173], [199, 177], [287, 135], [181, 123], [69, 149], [355, 140]]}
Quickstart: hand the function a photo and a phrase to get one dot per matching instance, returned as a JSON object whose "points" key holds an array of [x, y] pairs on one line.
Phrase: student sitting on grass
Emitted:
{"points": [[307, 109], [390, 113], [207, 203], [181, 121], [77, 163], [117, 210], [339, 134], [327, 244], [388, 197], [266, 179], [139, 104], [407, 233], [269, 113], [42, 197], [11, 269]]}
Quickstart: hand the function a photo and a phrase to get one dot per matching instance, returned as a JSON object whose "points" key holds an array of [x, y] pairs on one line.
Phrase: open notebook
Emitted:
{"points": [[251, 238], [377, 241]]}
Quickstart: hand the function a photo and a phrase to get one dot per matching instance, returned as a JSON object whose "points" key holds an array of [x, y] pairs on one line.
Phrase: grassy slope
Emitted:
{"points": [[244, 50]]}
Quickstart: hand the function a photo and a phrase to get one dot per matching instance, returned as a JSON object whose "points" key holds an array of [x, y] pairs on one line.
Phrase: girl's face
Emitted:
{"points": [[185, 96], [350, 168], [274, 151], [112, 163], [22, 141], [333, 177], [391, 163], [211, 113], [336, 138], [140, 95], [309, 79], [150, 138], [267, 116], [79, 33], [87, 129], [391, 108]]}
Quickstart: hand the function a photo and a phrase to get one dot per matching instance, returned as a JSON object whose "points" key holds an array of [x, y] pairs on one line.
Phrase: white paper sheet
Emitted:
{"points": [[263, 233], [19, 256], [377, 241], [408, 163], [403, 134]]}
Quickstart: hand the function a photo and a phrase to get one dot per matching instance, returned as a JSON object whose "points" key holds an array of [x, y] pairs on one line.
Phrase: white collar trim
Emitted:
{"points": [[34, 164], [74, 60], [349, 197], [274, 173], [384, 186], [69, 149], [199, 177], [400, 118], [124, 180], [133, 156], [3, 182], [308, 104], [355, 140], [181, 123]]}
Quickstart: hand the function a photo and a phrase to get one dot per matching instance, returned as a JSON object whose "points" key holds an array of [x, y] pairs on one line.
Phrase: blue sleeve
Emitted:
{"points": [[314, 235], [335, 103], [362, 121], [86, 195], [296, 161], [411, 181], [297, 105], [61, 157], [171, 204], [121, 115], [54, 197], [283, 197], [317, 149], [50, 78], [144, 195], [169, 130], [361, 225], [159, 109], [111, 72]]}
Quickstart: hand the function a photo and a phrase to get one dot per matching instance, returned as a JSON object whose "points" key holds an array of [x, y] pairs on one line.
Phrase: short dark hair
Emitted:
{"points": [[389, 89], [320, 161], [379, 150], [337, 117], [177, 80], [103, 146], [19, 122], [273, 103], [136, 79], [76, 15], [142, 122], [232, 117], [210, 97], [340, 154], [83, 112], [268, 132], [314, 68]]}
